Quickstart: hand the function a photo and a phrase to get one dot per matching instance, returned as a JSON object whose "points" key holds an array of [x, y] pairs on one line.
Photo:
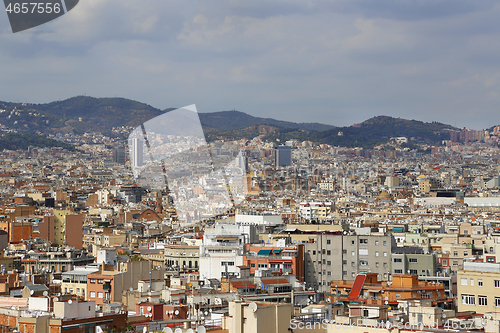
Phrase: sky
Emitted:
{"points": [[336, 62]]}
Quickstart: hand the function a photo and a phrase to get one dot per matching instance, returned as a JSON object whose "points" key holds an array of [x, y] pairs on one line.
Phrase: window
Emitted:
{"points": [[344, 262], [363, 263], [100, 295], [83, 291], [363, 241], [376, 242], [376, 253], [328, 252], [466, 253], [413, 272], [398, 271], [398, 260], [344, 272], [455, 253], [468, 299], [497, 301], [353, 253], [352, 263], [491, 248], [413, 260], [352, 242], [497, 283], [398, 295], [92, 294], [385, 254], [252, 265], [314, 253], [70, 290], [99, 281], [482, 300], [385, 242], [455, 262], [376, 264], [472, 282], [328, 241], [329, 273], [344, 251], [328, 262], [479, 282], [385, 265], [463, 281], [92, 280]]}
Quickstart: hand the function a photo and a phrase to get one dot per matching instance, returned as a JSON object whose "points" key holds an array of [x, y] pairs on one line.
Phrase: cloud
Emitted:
{"points": [[337, 62]]}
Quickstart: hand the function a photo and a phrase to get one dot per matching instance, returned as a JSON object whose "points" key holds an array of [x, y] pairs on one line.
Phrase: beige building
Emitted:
{"points": [[478, 287], [75, 282], [182, 257]]}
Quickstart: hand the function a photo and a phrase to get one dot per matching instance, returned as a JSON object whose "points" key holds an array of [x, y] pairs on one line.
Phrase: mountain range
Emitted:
{"points": [[88, 114]]}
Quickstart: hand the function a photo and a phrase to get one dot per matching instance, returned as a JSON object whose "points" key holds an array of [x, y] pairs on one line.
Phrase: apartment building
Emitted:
{"points": [[422, 264], [279, 260], [368, 289], [184, 258], [75, 282], [221, 254], [342, 257], [107, 284], [478, 287]]}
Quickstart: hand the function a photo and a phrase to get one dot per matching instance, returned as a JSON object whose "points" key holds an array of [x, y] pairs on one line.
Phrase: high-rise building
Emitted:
{"points": [[136, 153], [119, 155], [283, 156]]}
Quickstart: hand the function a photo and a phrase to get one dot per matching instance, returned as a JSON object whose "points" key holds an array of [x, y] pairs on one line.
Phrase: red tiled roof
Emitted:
{"points": [[242, 284], [275, 281]]}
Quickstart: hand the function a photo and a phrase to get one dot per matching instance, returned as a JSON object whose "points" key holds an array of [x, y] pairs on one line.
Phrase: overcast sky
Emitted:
{"points": [[336, 62]]}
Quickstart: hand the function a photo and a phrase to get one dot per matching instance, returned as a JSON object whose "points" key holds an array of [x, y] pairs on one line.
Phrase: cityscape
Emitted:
{"points": [[249, 166], [302, 237]]}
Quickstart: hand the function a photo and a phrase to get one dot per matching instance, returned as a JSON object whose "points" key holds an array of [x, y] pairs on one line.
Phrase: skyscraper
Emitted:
{"points": [[136, 153], [119, 155], [282, 156]]}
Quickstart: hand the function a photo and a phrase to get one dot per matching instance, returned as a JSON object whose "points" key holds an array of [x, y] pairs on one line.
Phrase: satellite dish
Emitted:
{"points": [[206, 313], [444, 315], [56, 299], [98, 329], [386, 298], [45, 293], [270, 236], [190, 330], [202, 329], [32, 292], [253, 306], [178, 330], [386, 302], [149, 308], [167, 330], [130, 289], [190, 284], [176, 312], [70, 302]]}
